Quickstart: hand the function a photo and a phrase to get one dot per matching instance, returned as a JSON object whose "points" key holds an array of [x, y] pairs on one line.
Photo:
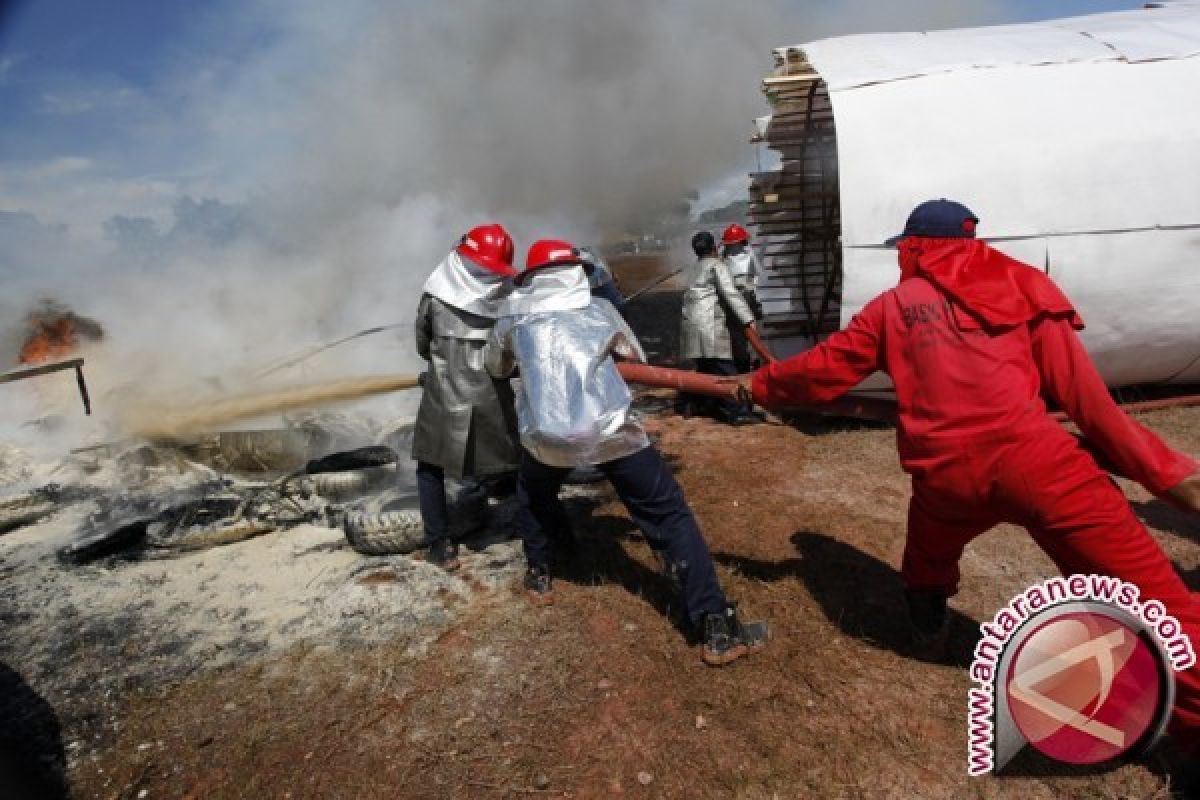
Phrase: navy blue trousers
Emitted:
{"points": [[431, 495], [653, 499]]}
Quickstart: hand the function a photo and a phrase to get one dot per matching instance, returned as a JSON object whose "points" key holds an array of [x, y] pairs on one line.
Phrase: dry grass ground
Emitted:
{"points": [[601, 695]]}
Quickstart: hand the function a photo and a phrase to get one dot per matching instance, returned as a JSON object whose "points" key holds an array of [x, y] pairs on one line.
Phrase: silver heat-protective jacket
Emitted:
{"points": [[466, 422], [713, 295], [573, 407], [744, 268]]}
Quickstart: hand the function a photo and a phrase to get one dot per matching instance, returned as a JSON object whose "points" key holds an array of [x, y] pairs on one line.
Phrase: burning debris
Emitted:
{"points": [[364, 492], [54, 332]]}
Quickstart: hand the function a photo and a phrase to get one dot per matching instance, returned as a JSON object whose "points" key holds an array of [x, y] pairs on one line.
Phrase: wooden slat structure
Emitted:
{"points": [[795, 209]]}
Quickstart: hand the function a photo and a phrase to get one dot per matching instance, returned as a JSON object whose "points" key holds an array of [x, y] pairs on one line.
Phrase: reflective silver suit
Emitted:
{"points": [[744, 268], [572, 404], [465, 424], [705, 331]]}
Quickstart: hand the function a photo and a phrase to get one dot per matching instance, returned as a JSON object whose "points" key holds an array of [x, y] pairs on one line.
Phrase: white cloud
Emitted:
{"points": [[83, 98], [63, 165], [76, 191]]}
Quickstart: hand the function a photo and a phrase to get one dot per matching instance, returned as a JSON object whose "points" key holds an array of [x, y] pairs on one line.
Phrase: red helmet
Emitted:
{"points": [[733, 234], [490, 247], [550, 253]]}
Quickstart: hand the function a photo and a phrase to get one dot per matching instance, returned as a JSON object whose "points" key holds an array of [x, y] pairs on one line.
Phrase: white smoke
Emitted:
{"points": [[354, 145]]}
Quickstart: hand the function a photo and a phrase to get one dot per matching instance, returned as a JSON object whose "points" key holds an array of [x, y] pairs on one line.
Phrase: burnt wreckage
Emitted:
{"points": [[359, 491]]}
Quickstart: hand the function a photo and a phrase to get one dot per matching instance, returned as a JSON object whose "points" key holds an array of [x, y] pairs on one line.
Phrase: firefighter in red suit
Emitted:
{"points": [[973, 341]]}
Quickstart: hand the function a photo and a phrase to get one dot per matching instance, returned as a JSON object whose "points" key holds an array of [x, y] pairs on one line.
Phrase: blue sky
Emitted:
{"points": [[74, 71], [123, 106]]}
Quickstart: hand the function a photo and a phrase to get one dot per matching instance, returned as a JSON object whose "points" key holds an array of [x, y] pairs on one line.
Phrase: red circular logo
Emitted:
{"points": [[1084, 688]]}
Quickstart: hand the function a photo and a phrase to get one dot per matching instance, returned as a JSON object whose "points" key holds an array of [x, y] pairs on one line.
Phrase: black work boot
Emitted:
{"points": [[929, 624], [443, 553], [539, 586], [727, 639]]}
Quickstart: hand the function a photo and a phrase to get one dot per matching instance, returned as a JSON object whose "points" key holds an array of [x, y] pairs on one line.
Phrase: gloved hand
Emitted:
{"points": [[740, 387], [1186, 494]]}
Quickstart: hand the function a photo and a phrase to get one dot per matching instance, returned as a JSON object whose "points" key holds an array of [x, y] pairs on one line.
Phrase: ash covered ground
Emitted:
{"points": [[79, 639], [288, 665]]}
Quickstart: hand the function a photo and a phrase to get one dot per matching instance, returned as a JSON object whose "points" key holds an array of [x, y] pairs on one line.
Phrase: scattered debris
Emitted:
{"points": [[28, 507]]}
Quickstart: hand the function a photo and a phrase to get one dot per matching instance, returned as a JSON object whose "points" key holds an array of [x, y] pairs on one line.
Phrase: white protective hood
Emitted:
{"points": [[562, 288], [459, 283], [600, 273]]}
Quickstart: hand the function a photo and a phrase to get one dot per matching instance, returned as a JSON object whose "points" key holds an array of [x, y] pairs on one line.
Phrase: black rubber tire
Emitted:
{"points": [[104, 541], [377, 455], [385, 533], [342, 486]]}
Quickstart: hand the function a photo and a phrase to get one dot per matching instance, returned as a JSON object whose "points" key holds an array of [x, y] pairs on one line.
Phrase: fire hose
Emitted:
{"points": [[655, 284], [759, 345], [175, 422], [681, 379], [850, 406], [727, 388]]}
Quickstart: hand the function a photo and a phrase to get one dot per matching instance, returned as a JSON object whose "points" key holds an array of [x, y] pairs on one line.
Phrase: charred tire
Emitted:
{"points": [[385, 533], [203, 537], [340, 486], [376, 455], [104, 541]]}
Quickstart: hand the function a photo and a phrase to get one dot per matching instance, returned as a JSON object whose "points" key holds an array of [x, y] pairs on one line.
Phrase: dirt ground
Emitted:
{"points": [[602, 694]]}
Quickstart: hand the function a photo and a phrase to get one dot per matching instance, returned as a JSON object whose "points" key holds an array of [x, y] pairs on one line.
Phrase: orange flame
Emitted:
{"points": [[54, 333]]}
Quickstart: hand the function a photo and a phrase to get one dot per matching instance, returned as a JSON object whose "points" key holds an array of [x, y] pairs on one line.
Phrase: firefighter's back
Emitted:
{"points": [[956, 382]]}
